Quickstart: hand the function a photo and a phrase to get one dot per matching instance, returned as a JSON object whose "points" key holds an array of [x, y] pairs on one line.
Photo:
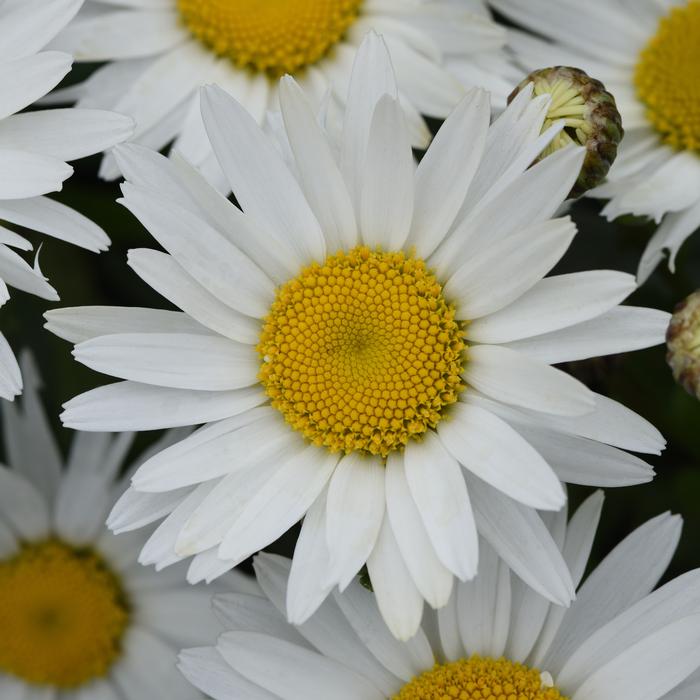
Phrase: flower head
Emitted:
{"points": [[494, 639], [80, 617], [369, 345]]}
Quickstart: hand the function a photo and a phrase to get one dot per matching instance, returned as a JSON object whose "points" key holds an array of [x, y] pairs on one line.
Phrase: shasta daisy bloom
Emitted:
{"points": [[647, 53], [34, 148], [495, 639], [369, 345], [160, 52], [80, 618]]}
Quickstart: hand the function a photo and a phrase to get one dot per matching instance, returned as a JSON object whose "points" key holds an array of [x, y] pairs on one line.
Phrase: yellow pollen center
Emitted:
{"points": [[62, 614], [478, 678], [362, 352], [667, 80], [269, 36]]}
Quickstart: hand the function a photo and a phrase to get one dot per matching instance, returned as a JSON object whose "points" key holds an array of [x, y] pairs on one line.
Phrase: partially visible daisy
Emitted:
{"points": [[495, 639], [369, 346], [160, 52], [647, 52], [80, 619], [34, 148]]}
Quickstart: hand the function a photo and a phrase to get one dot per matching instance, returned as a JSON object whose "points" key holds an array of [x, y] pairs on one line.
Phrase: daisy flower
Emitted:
{"points": [[160, 51], [80, 618], [495, 639], [368, 344], [647, 52], [34, 148]]}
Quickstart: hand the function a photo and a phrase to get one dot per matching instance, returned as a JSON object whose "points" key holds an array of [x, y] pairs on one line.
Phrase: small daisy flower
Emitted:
{"points": [[80, 619], [34, 148], [369, 345], [647, 52], [495, 639], [159, 52]]}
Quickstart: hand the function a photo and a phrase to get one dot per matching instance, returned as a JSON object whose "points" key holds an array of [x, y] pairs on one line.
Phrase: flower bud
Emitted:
{"points": [[683, 342], [590, 116]]}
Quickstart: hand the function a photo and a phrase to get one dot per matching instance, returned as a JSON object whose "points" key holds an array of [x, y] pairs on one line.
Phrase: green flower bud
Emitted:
{"points": [[590, 119]]}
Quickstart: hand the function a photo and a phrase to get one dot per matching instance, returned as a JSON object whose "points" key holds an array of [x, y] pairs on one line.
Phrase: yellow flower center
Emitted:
{"points": [[362, 352], [62, 615], [478, 678], [269, 36], [666, 77]]}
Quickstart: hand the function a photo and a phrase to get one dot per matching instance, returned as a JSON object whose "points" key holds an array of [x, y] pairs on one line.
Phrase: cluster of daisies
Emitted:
{"points": [[365, 342]]}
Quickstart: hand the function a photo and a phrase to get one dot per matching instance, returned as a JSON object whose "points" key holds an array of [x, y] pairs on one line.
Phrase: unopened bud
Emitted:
{"points": [[590, 116], [683, 342]]}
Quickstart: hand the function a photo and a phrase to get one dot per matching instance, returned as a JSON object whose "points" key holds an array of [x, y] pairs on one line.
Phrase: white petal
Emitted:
{"points": [[673, 232], [621, 329], [178, 360], [625, 576], [253, 613], [328, 630], [491, 449], [168, 278], [280, 503], [10, 376], [491, 279], [263, 185], [121, 34], [399, 601], [372, 77], [22, 506], [354, 513], [514, 378], [27, 79], [55, 219], [33, 23], [446, 171], [24, 174], [581, 461], [292, 672], [650, 668], [307, 588], [432, 579], [147, 668], [135, 509], [521, 539], [133, 406], [65, 134], [403, 659], [219, 448], [206, 669], [553, 303], [327, 195], [214, 262], [440, 493], [530, 198], [386, 195], [483, 607], [77, 324]]}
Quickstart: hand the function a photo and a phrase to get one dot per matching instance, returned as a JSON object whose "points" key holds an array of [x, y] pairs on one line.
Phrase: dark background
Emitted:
{"points": [[641, 380]]}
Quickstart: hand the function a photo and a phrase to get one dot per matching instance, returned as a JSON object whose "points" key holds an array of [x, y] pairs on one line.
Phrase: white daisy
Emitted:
{"points": [[368, 343], [80, 619], [495, 639], [34, 148], [647, 52], [161, 51]]}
